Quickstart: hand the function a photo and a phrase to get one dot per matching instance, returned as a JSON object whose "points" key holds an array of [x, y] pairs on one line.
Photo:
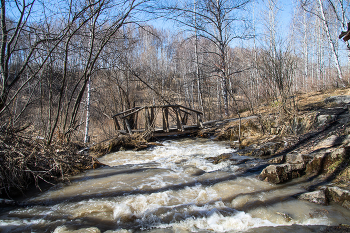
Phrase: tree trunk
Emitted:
{"points": [[330, 41], [87, 123]]}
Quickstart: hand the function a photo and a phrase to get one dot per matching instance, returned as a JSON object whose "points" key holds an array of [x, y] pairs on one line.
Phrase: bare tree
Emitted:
{"points": [[322, 12], [220, 22]]}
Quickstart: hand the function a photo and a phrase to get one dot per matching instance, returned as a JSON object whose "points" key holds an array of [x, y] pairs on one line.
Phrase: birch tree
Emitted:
{"points": [[220, 22], [321, 11]]}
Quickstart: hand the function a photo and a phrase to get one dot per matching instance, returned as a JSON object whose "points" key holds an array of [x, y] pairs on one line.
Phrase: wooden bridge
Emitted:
{"points": [[158, 121]]}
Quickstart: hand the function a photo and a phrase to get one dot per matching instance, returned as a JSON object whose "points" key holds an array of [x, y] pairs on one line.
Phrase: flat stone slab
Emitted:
{"points": [[318, 197], [331, 141], [341, 99]]}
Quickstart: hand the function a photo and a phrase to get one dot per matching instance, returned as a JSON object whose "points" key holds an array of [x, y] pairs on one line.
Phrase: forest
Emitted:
{"points": [[68, 66]]}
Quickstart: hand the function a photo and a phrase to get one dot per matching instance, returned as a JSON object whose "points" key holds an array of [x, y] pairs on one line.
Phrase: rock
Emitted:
{"points": [[338, 154], [326, 159], [341, 228], [323, 119], [194, 171], [295, 158], [346, 204], [335, 159], [278, 159], [64, 229], [286, 216], [341, 99], [319, 213], [274, 173], [338, 195], [282, 172], [220, 158], [346, 140], [318, 197], [315, 166], [238, 161], [269, 148], [264, 150], [293, 167], [329, 142], [7, 202]]}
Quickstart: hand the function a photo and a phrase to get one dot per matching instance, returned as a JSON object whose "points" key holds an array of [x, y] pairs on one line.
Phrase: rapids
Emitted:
{"points": [[172, 188]]}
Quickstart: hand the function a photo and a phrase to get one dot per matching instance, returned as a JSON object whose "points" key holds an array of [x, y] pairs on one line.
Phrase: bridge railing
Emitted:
{"points": [[131, 119]]}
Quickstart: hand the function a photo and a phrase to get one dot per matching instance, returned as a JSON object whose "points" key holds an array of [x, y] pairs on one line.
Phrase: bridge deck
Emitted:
{"points": [[159, 132]]}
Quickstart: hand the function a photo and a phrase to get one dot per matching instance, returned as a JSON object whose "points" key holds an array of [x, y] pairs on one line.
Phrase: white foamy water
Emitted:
{"points": [[171, 188], [190, 152]]}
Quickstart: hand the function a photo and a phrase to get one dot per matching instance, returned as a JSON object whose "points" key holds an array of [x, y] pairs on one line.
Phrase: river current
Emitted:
{"points": [[173, 188]]}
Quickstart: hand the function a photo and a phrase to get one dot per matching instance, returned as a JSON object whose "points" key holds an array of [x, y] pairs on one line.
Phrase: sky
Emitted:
{"points": [[284, 17]]}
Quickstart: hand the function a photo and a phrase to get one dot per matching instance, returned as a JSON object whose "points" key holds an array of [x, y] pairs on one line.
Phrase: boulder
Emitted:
{"points": [[339, 195], [318, 197], [282, 172], [315, 166]]}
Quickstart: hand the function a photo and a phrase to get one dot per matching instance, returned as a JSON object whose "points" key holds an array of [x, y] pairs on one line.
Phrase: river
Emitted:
{"points": [[172, 188]]}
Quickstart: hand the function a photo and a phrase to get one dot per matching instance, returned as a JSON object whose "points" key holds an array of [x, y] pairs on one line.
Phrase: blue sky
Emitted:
{"points": [[284, 17]]}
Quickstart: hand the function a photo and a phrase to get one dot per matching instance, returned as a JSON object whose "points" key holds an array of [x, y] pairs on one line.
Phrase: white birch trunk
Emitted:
{"points": [[87, 137], [330, 41]]}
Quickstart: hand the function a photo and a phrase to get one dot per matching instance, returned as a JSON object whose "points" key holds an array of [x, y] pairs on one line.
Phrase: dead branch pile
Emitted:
{"points": [[25, 161]]}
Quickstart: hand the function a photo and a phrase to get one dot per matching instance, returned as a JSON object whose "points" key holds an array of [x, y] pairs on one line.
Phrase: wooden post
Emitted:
{"points": [[152, 117], [135, 120], [147, 123], [128, 126], [165, 119], [185, 118], [116, 123], [178, 119], [199, 120]]}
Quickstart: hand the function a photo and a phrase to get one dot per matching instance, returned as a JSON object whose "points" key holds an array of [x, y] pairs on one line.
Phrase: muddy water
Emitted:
{"points": [[173, 188]]}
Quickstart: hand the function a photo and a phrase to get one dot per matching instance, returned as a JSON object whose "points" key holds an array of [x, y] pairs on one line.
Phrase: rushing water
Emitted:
{"points": [[172, 188]]}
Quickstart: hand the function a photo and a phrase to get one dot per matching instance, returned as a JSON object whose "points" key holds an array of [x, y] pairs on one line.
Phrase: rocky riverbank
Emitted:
{"points": [[314, 145]]}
